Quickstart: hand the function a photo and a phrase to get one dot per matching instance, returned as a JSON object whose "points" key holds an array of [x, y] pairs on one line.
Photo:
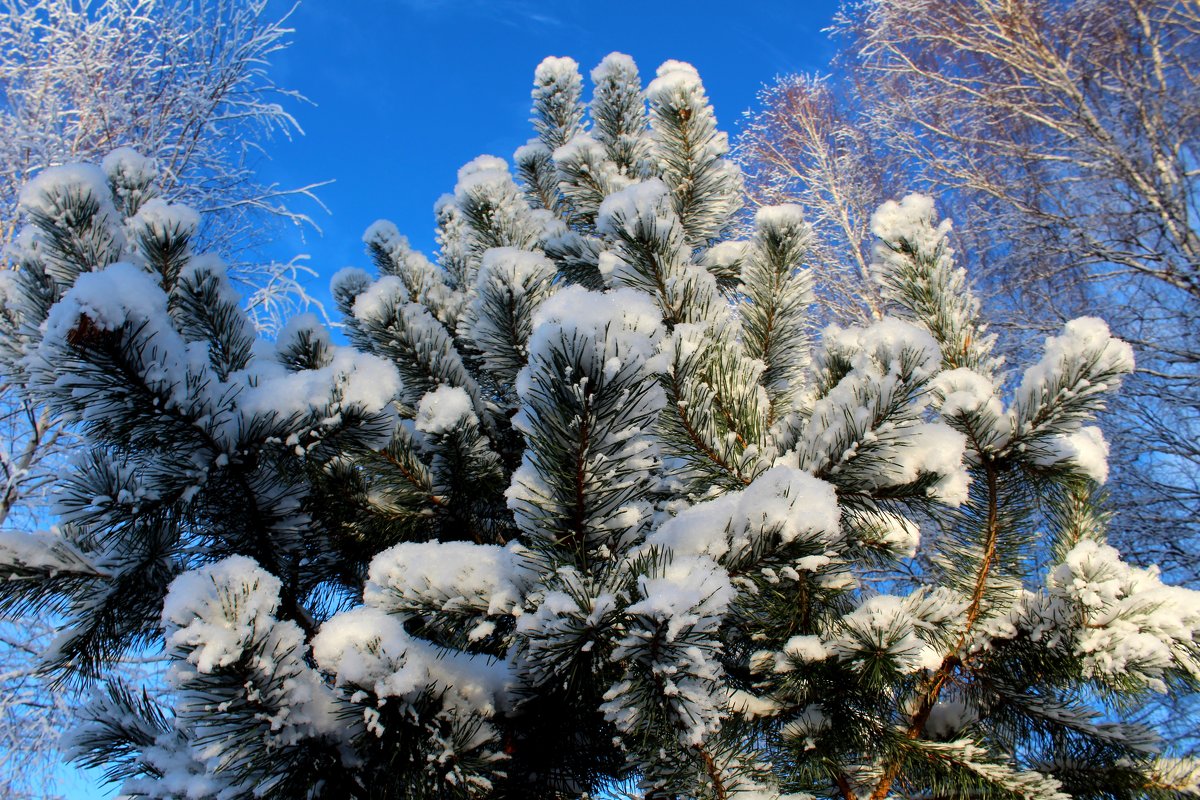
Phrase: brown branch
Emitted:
{"points": [[951, 662], [844, 787], [694, 436], [413, 479], [714, 774]]}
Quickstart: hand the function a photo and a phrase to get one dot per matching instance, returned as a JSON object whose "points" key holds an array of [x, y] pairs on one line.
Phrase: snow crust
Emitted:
{"points": [[783, 502], [782, 217], [748, 705], [726, 257], [963, 392], [883, 624], [887, 358], [42, 550], [555, 70], [379, 299], [807, 726], [367, 648], [384, 233], [45, 191], [690, 590], [806, 648], [647, 201], [624, 325], [306, 325], [912, 219], [948, 718], [104, 301], [482, 172], [884, 347], [1085, 341], [447, 577], [614, 66], [1132, 623], [674, 78], [117, 294], [127, 166], [348, 283], [351, 379], [532, 151], [935, 448], [159, 218], [213, 612], [1085, 449], [898, 534], [444, 409], [513, 267]]}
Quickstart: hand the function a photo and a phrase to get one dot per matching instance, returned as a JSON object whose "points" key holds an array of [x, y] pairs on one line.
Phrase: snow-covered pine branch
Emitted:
{"points": [[184, 84], [1065, 137], [174, 100], [585, 503]]}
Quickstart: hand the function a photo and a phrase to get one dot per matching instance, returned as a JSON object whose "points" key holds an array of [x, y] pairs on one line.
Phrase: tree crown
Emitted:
{"points": [[584, 503]]}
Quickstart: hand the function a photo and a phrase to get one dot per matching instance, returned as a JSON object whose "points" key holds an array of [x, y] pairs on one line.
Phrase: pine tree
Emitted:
{"points": [[584, 506]]}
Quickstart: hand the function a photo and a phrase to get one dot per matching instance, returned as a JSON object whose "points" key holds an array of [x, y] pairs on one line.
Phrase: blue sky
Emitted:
{"points": [[406, 91]]}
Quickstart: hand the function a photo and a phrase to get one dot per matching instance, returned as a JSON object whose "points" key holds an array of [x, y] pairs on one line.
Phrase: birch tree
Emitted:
{"points": [[1071, 130], [1065, 135], [182, 91], [1078, 125]]}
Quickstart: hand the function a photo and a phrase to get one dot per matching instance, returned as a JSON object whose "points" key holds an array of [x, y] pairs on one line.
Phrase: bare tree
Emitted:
{"points": [[807, 145], [185, 84], [1081, 117], [1071, 127], [1077, 125]]}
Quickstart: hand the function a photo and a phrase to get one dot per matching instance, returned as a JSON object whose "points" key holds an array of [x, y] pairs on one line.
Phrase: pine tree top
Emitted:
{"points": [[585, 502]]}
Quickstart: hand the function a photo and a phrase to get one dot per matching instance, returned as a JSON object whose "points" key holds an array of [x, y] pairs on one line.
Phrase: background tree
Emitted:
{"points": [[1065, 135], [1066, 132], [185, 85], [584, 504], [806, 144]]}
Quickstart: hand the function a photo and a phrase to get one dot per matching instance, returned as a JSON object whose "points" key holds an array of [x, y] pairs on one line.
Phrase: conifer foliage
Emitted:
{"points": [[584, 506]]}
